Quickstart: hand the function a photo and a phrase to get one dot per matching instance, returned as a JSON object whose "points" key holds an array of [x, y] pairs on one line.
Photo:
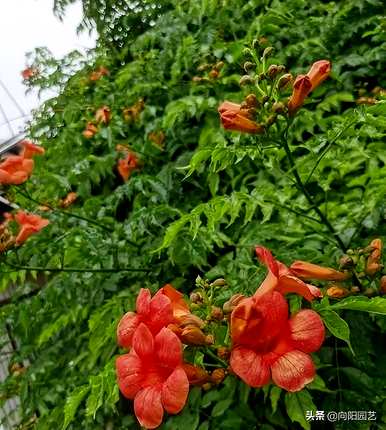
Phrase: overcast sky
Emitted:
{"points": [[24, 25]]}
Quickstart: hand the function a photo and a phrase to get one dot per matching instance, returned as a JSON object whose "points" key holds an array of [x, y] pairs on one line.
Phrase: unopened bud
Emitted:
{"points": [[219, 65], [232, 303], [366, 101], [196, 79], [223, 353], [251, 100], [337, 292], [245, 80], [346, 262], [248, 65], [263, 41], [196, 375], [278, 107], [218, 282], [217, 376], [273, 70], [284, 81], [216, 313], [267, 51], [196, 298], [191, 320], [382, 285], [355, 289], [203, 67], [192, 335], [281, 68], [213, 74], [207, 386]]}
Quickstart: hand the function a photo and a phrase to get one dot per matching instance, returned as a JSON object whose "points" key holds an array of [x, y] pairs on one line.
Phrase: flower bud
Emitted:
{"points": [[382, 285], [190, 320], [218, 282], [217, 376], [251, 100], [213, 74], [248, 65], [216, 313], [192, 335], [219, 65], [196, 79], [232, 303], [68, 200], [203, 67], [267, 51], [278, 107], [281, 68], [273, 70], [355, 289], [196, 298], [196, 375], [337, 292], [245, 80], [263, 41], [373, 264], [284, 81], [346, 262], [223, 353], [207, 386], [366, 101]]}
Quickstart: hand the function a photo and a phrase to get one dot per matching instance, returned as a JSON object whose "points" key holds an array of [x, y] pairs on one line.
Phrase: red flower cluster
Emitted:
{"points": [[29, 224], [99, 73], [304, 84], [153, 372], [16, 169], [29, 73]]}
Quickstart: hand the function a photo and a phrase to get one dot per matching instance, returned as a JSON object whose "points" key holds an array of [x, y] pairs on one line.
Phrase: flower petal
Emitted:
{"points": [[168, 348], [160, 314], [265, 256], [250, 367], [148, 407], [175, 391], [240, 318], [129, 374], [307, 330], [293, 370], [291, 284], [143, 301], [126, 328], [143, 341]]}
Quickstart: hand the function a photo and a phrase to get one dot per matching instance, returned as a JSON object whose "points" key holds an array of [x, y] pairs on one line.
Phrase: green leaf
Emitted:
{"points": [[375, 305], [297, 405], [72, 403], [274, 395], [337, 326]]}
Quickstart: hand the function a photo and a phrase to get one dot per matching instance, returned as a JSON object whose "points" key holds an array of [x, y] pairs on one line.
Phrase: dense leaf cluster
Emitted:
{"points": [[201, 199]]}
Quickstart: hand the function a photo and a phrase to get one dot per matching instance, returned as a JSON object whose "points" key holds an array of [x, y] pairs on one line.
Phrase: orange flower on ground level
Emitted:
{"points": [[29, 224], [152, 374], [306, 270], [319, 72], [282, 279], [266, 344], [233, 117], [15, 170], [30, 149], [301, 88], [127, 165], [103, 115]]}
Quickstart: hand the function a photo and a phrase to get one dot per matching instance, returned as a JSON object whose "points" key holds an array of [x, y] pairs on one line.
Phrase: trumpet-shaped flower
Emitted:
{"points": [[15, 170], [30, 149], [283, 279], [127, 165], [233, 117], [29, 224], [152, 374], [267, 345]]}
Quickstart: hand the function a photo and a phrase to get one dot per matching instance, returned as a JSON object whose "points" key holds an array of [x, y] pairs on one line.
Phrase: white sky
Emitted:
{"points": [[24, 25]]}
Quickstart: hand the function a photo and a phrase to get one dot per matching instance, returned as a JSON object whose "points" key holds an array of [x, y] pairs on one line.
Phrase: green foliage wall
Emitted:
{"points": [[197, 205]]}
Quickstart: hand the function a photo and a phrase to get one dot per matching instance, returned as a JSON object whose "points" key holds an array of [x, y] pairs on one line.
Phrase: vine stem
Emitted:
{"points": [[73, 269], [307, 195]]}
